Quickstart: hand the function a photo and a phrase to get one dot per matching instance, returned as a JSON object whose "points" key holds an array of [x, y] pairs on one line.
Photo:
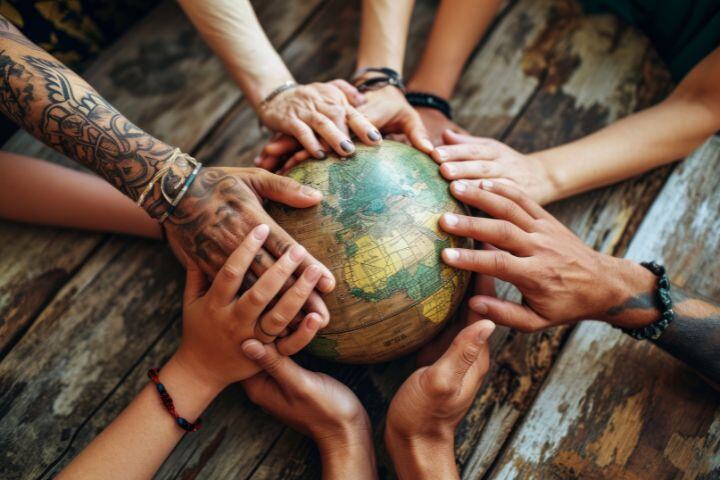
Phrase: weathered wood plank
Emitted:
{"points": [[96, 328], [163, 77], [590, 420]]}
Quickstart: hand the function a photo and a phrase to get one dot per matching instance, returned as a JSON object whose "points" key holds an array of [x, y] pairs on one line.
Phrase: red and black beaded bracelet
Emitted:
{"points": [[154, 373]]}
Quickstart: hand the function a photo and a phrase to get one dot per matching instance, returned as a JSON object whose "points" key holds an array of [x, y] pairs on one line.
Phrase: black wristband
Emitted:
{"points": [[663, 302], [428, 100]]}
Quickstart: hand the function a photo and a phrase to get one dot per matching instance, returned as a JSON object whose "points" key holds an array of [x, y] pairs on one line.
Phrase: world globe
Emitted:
{"points": [[377, 230]]}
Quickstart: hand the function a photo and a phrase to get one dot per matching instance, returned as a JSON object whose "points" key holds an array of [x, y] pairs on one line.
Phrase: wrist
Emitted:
{"points": [[555, 178], [172, 170], [627, 283], [435, 86], [422, 456], [348, 452], [194, 372]]}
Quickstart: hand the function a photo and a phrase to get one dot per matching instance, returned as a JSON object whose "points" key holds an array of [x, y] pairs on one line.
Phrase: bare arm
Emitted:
{"points": [[384, 33], [650, 138], [34, 191], [458, 27]]}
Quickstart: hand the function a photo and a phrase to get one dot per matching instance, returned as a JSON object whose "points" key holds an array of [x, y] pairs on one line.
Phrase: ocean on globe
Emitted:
{"points": [[377, 230]]}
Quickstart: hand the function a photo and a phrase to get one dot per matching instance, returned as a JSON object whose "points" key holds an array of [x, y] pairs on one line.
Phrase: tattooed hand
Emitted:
{"points": [[224, 204]]}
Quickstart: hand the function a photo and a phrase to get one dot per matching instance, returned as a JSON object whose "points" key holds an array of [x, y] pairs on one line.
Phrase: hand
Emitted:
{"points": [[316, 405], [436, 124], [562, 280], [429, 405], [474, 158], [323, 109], [223, 205], [388, 109], [216, 321]]}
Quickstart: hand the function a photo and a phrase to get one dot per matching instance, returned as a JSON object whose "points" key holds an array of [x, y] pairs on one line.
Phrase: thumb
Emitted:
{"points": [[196, 284], [281, 368], [284, 190], [469, 346]]}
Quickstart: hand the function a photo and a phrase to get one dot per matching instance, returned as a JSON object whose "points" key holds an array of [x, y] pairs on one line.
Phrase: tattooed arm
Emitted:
{"points": [[563, 281], [58, 107]]}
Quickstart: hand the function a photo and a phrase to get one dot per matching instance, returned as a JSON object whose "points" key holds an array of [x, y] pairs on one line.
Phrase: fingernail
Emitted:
{"points": [[441, 154], [451, 219], [321, 155], [326, 284], [486, 184], [261, 232], [479, 307], [257, 160], [427, 144], [374, 135], [253, 350], [451, 254], [309, 191], [313, 322], [459, 186], [347, 146], [449, 169], [485, 333], [313, 273], [297, 253]]}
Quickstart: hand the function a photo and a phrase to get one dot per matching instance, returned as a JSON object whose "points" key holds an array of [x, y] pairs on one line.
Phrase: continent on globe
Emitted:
{"points": [[377, 230]]}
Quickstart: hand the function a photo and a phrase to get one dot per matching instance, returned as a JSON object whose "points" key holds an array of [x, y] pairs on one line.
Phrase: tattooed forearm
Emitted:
{"points": [[694, 335], [55, 105]]}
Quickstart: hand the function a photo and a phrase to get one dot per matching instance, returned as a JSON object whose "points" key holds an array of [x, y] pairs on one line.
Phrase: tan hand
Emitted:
{"points": [[473, 158], [216, 321], [433, 400], [437, 124], [313, 403], [322, 110], [562, 279], [388, 109]]}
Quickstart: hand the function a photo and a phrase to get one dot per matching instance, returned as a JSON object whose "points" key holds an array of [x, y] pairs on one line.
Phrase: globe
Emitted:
{"points": [[377, 230]]}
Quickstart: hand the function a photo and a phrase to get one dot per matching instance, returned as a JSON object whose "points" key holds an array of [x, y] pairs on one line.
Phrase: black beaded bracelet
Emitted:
{"points": [[428, 100], [663, 302]]}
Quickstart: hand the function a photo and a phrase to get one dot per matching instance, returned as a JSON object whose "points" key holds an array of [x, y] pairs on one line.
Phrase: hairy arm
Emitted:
{"points": [[58, 107], [694, 335], [650, 138], [458, 26]]}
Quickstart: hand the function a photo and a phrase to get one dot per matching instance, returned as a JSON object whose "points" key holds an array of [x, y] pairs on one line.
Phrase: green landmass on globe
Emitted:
{"points": [[377, 230]]}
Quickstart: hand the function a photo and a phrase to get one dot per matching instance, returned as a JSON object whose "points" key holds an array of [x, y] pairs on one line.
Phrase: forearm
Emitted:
{"points": [[34, 191], [58, 107], [458, 26], [384, 33], [694, 334], [232, 30], [136, 443], [645, 140], [421, 458]]}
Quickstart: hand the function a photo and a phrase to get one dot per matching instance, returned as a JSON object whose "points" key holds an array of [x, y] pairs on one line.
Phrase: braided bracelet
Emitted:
{"points": [[153, 373], [663, 302], [428, 100], [387, 76]]}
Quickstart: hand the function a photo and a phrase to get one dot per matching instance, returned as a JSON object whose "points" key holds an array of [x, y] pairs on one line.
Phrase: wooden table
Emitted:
{"points": [[82, 316]]}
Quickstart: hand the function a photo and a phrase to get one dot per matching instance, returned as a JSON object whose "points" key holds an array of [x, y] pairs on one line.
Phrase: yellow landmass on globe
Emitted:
{"points": [[376, 260], [437, 306]]}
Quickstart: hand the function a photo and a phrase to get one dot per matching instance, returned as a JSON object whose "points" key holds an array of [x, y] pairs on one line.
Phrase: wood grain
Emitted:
{"points": [[617, 408]]}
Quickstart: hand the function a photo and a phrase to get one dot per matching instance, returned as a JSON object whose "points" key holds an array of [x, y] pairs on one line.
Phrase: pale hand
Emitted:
{"points": [[464, 157], [324, 110]]}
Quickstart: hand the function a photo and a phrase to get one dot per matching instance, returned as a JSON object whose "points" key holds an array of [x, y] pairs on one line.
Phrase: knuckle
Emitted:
{"points": [[469, 354], [277, 320], [230, 272], [439, 385], [505, 231], [257, 298], [500, 262]]}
